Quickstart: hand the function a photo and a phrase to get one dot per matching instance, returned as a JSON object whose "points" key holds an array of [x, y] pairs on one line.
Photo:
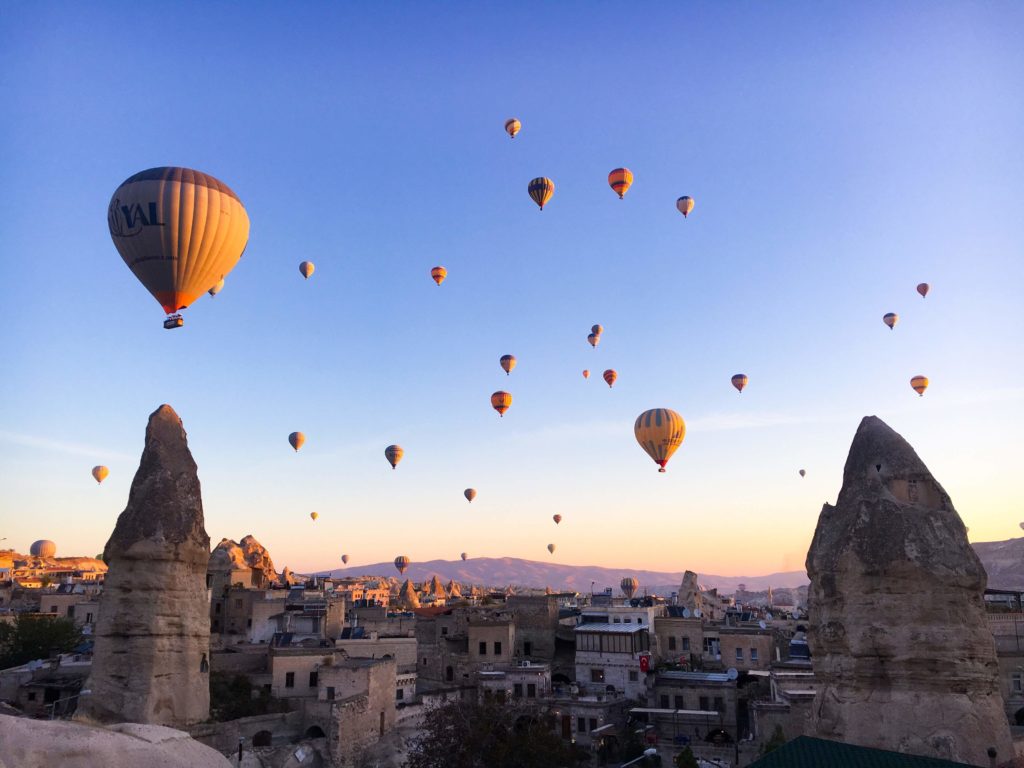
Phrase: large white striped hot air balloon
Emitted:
{"points": [[180, 232]]}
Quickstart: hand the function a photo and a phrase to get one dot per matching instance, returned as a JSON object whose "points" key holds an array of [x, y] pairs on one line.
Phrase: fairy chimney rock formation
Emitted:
{"points": [[152, 638], [689, 592], [897, 630]]}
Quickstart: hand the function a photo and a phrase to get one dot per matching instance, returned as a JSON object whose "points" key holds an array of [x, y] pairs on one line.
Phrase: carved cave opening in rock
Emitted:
{"points": [[315, 732], [262, 739]]}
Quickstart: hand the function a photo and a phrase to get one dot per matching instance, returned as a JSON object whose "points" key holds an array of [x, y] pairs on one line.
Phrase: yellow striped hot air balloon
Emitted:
{"points": [[439, 274], [685, 205], [660, 431], [500, 401], [470, 494], [629, 585], [512, 127], [306, 269], [401, 563], [394, 454], [919, 384], [740, 381], [890, 319], [620, 180], [217, 288], [610, 376], [541, 189], [296, 439], [99, 473], [507, 362], [179, 231]]}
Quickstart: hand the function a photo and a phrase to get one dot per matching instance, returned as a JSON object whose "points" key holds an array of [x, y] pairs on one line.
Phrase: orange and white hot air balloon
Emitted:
{"points": [[660, 431], [507, 363], [470, 494], [610, 376], [620, 180], [394, 454], [685, 204], [890, 319], [180, 231], [296, 440], [306, 269], [919, 384], [512, 127], [501, 401], [99, 473], [923, 289], [541, 189], [593, 339], [439, 274], [586, 373]]}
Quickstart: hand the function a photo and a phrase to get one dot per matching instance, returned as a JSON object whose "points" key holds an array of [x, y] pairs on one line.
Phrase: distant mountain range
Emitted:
{"points": [[1004, 561]]}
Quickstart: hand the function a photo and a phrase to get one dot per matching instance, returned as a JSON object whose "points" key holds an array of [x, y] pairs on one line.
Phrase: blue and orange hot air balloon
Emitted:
{"points": [[394, 454], [180, 232], [541, 189]]}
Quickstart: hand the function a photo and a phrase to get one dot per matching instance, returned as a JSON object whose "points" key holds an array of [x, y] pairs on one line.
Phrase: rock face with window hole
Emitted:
{"points": [[898, 633], [152, 637]]}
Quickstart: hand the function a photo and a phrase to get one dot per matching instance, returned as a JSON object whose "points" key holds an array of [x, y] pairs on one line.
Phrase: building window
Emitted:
{"points": [[705, 704], [31, 695], [88, 618], [483, 648], [719, 704], [424, 661], [671, 643], [216, 608], [531, 690], [633, 675], [739, 654], [399, 694], [616, 620], [686, 643], [678, 702], [753, 655], [71, 611], [289, 680], [593, 723], [444, 631], [497, 649], [313, 678], [449, 674], [1017, 682], [581, 724], [711, 645], [517, 690], [663, 702], [248, 623], [53, 609], [627, 620], [527, 648], [330, 693], [597, 675]]}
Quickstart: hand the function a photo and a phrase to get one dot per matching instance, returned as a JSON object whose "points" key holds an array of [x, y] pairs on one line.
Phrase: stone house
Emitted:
{"points": [[360, 696], [608, 659]]}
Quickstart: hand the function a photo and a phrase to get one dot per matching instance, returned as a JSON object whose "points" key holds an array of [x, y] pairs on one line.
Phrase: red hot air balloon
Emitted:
{"points": [[610, 376]]}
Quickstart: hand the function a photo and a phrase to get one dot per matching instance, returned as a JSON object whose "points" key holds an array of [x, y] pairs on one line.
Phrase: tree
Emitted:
{"points": [[685, 759], [469, 734], [778, 738], [34, 636]]}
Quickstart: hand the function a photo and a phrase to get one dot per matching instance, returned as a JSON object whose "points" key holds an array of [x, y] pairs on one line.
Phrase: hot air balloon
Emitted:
{"points": [[629, 586], [593, 339], [314, 515], [297, 440], [610, 376], [439, 274], [100, 473], [923, 289], [508, 362], [401, 563], [551, 548], [179, 231], [512, 127], [541, 189], [500, 401], [685, 205], [890, 319], [394, 454], [344, 559], [306, 269], [660, 432], [803, 473], [1022, 525], [557, 519], [470, 494], [597, 329], [740, 381], [586, 373], [217, 288], [620, 180], [464, 556], [920, 384]]}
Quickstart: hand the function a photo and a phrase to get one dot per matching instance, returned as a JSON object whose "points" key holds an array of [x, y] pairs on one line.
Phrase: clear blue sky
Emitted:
{"points": [[838, 153]]}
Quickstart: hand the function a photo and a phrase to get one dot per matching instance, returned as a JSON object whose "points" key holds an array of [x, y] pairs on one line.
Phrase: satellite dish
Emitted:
{"points": [[697, 612], [686, 613], [731, 673], [762, 625]]}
